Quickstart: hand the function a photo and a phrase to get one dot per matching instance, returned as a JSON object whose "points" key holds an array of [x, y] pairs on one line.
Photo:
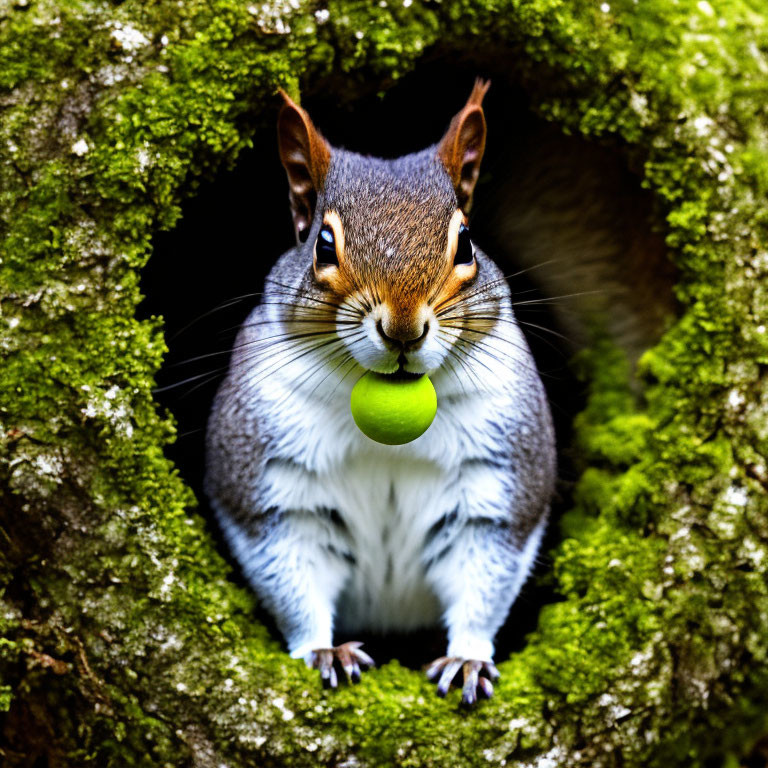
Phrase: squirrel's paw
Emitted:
{"points": [[478, 677], [348, 656]]}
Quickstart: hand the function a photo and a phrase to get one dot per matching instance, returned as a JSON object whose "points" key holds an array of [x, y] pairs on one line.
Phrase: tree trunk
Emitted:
{"points": [[123, 640]]}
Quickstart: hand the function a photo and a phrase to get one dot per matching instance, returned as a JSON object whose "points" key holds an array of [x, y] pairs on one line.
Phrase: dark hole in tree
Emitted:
{"points": [[236, 226]]}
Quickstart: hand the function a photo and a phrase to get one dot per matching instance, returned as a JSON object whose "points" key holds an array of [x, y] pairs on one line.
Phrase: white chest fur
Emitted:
{"points": [[388, 497], [333, 529]]}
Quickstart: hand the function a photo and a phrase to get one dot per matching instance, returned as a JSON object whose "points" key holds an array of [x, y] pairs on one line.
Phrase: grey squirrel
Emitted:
{"points": [[331, 529]]}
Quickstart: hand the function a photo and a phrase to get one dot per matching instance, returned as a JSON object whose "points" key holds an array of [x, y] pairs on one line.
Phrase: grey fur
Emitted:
{"points": [[468, 560]]}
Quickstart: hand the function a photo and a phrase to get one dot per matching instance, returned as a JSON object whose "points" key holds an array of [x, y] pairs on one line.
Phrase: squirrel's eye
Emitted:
{"points": [[465, 253], [325, 248]]}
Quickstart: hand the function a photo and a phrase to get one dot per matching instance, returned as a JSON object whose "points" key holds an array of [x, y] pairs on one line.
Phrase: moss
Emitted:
{"points": [[120, 625]]}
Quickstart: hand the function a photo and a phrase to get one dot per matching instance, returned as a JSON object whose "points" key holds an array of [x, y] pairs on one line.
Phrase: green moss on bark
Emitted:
{"points": [[124, 642]]}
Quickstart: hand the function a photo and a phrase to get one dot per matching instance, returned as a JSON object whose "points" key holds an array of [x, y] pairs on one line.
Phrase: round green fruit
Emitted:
{"points": [[393, 411]]}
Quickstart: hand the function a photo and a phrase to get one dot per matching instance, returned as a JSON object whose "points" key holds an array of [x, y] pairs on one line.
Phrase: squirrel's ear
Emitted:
{"points": [[461, 149], [305, 155]]}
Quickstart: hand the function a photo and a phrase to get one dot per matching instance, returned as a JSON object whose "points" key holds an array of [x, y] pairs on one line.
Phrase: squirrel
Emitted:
{"points": [[331, 529]]}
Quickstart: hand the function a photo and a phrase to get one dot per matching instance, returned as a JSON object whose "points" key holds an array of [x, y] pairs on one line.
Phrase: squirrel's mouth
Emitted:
{"points": [[402, 375]]}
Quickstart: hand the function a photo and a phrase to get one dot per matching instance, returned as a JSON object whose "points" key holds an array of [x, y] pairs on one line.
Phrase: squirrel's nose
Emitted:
{"points": [[405, 337]]}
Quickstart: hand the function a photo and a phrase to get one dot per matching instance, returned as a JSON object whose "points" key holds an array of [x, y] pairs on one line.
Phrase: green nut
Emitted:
{"points": [[393, 411]]}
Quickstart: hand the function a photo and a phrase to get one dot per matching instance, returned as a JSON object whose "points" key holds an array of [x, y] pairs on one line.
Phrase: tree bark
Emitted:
{"points": [[122, 639]]}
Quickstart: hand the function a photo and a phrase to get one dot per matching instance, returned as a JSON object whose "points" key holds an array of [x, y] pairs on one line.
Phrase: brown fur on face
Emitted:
{"points": [[395, 231], [395, 222]]}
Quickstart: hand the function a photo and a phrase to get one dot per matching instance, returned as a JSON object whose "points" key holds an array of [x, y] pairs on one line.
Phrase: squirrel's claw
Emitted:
{"points": [[485, 686], [478, 677], [449, 671], [348, 656]]}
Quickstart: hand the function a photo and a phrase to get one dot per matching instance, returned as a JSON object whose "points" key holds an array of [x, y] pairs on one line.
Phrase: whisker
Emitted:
{"points": [[308, 375], [449, 352], [218, 308], [344, 360], [188, 432], [544, 328], [167, 387], [297, 294], [319, 320], [554, 299], [298, 320], [492, 351], [296, 291], [504, 278], [361, 300], [341, 306], [284, 337], [439, 287], [257, 350], [354, 362], [522, 293], [465, 304], [454, 352], [458, 301], [202, 384], [293, 292], [475, 357], [491, 333], [512, 320], [281, 362], [472, 300], [486, 332], [336, 309], [560, 351]]}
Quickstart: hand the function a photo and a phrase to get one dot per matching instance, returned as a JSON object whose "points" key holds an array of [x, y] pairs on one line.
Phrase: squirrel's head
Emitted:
{"points": [[387, 240]]}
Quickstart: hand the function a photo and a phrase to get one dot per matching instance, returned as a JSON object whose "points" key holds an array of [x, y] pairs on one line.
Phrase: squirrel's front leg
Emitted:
{"points": [[476, 565], [297, 563]]}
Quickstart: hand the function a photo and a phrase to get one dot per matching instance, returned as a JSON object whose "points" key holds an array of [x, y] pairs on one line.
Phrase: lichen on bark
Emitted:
{"points": [[122, 639]]}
